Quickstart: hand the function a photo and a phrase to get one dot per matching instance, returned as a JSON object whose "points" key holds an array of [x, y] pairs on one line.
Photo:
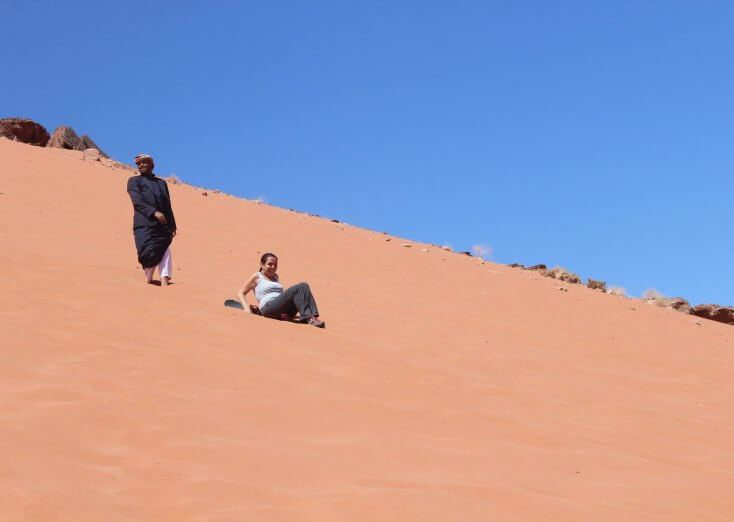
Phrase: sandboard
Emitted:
{"points": [[234, 303]]}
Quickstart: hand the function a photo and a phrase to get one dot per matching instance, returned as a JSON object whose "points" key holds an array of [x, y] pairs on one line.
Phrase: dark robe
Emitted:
{"points": [[150, 194]]}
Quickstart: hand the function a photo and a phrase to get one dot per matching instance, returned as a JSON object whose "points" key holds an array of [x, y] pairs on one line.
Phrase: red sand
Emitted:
{"points": [[442, 388]]}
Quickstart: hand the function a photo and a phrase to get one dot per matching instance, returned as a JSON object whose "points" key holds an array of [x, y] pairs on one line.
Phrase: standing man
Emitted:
{"points": [[153, 223]]}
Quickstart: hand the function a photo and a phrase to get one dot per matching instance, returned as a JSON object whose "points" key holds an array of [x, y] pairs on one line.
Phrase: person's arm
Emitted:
{"points": [[249, 285], [172, 222], [133, 188]]}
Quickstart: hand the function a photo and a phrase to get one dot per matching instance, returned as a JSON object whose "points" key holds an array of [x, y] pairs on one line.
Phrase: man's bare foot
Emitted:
{"points": [[165, 281]]}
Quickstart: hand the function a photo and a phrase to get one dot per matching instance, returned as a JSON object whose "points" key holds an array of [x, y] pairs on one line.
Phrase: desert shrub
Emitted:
{"points": [[549, 272], [651, 293], [617, 290], [596, 285], [569, 277], [482, 251], [562, 275]]}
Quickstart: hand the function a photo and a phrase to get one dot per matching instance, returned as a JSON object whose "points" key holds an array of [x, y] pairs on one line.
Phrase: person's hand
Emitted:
{"points": [[160, 217], [254, 310]]}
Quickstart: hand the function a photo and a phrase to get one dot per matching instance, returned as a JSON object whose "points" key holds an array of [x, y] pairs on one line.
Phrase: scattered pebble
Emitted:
{"points": [[563, 289], [407, 245], [204, 194]]}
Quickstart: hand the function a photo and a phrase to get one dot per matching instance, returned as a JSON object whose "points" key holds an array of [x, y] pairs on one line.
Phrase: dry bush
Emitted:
{"points": [[651, 293], [549, 272], [674, 303], [617, 290], [482, 251], [569, 277], [562, 275], [173, 179], [596, 285]]}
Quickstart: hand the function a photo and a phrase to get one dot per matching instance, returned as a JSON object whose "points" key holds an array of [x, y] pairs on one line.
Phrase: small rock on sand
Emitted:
{"points": [[91, 155]]}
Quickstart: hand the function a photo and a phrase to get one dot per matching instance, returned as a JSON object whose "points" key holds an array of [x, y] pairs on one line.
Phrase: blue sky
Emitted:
{"points": [[594, 135]]}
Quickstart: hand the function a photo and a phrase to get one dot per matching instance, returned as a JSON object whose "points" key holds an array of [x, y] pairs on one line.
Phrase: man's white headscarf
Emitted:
{"points": [[140, 158]]}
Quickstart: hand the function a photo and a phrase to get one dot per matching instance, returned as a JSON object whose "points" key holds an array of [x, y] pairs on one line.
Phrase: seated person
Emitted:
{"points": [[275, 302]]}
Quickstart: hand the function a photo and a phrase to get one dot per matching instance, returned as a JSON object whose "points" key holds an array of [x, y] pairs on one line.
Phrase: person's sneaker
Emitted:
{"points": [[318, 323]]}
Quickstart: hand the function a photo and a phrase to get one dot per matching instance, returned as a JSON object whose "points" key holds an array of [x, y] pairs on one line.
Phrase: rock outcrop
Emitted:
{"points": [[87, 142], [64, 137], [722, 314], [24, 131]]}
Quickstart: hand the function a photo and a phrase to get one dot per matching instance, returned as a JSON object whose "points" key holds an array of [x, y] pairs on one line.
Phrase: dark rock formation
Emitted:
{"points": [[722, 314], [64, 137], [24, 131], [87, 143]]}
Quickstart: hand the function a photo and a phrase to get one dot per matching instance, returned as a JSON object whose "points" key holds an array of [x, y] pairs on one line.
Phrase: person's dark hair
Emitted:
{"points": [[265, 257]]}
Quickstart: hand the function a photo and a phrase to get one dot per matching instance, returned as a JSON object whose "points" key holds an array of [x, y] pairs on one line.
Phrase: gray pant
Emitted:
{"points": [[297, 298]]}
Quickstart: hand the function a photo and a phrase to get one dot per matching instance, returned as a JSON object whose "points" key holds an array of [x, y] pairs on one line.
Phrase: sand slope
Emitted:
{"points": [[442, 389]]}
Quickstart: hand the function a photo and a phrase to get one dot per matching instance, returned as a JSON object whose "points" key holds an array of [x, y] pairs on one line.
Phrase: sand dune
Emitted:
{"points": [[442, 388]]}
